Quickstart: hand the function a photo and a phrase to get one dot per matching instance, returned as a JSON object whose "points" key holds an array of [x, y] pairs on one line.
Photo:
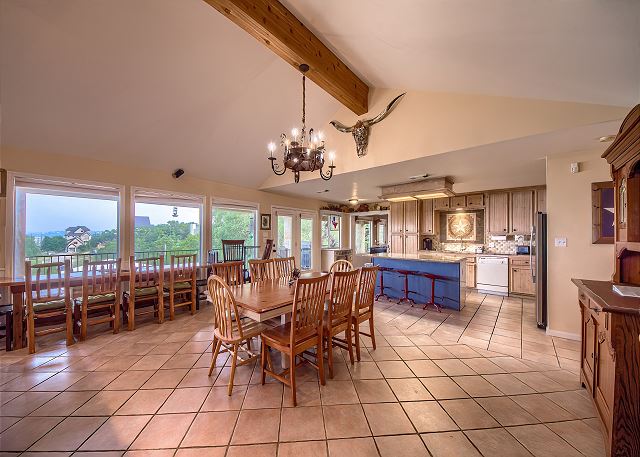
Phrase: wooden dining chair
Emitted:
{"points": [[48, 300], [340, 265], [268, 248], [284, 266], [146, 289], [182, 284], [231, 272], [363, 308], [231, 333], [233, 250], [261, 270], [302, 333], [100, 300], [337, 318]]}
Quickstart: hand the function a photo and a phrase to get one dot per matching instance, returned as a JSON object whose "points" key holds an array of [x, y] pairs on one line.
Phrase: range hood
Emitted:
{"points": [[420, 190]]}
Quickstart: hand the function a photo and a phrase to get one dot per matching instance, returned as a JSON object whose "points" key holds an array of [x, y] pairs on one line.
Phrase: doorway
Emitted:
{"points": [[295, 236]]}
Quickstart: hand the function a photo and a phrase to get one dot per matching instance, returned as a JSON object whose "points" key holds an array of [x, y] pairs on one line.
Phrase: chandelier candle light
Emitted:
{"points": [[302, 151]]}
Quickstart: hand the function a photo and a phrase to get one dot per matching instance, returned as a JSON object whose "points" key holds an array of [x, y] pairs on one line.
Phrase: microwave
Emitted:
{"points": [[522, 250]]}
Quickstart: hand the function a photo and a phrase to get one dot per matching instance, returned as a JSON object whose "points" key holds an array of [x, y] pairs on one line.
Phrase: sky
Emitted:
{"points": [[50, 213]]}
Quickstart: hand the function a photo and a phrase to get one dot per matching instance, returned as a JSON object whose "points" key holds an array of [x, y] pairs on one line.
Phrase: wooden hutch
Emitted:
{"points": [[610, 363]]}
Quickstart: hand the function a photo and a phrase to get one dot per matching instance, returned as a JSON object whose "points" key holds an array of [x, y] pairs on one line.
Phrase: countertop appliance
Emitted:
{"points": [[523, 250], [538, 248], [427, 244], [492, 275]]}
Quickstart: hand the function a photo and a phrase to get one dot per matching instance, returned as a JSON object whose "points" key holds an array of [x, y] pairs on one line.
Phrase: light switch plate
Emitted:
{"points": [[561, 242]]}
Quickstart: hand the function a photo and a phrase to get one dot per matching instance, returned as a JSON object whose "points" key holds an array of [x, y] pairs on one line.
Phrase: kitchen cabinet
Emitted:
{"points": [[459, 201], [404, 227], [498, 213], [520, 278], [471, 273], [475, 201], [427, 218], [521, 212], [541, 200], [441, 203]]}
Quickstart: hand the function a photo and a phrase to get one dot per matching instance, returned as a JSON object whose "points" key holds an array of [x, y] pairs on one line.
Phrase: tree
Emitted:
{"points": [[31, 249], [53, 244]]}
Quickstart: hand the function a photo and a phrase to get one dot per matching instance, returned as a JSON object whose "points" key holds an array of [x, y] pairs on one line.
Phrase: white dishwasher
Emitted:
{"points": [[492, 275]]}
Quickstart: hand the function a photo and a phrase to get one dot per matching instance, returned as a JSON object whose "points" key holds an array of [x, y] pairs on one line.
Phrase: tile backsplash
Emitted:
{"points": [[498, 247]]}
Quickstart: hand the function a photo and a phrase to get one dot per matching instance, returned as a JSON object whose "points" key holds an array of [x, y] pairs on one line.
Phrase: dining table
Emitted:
{"points": [[16, 286]]}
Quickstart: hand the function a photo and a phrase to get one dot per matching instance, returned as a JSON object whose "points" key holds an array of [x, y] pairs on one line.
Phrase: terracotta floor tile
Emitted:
{"points": [[202, 452], [409, 389], [449, 444], [199, 377], [96, 380], [581, 436], [542, 408], [302, 423], [387, 419], [165, 379], [509, 384], [26, 403], [218, 400], [257, 426], [24, 433], [338, 392], [428, 416], [539, 382], [181, 361], [365, 370], [150, 453], [307, 394], [542, 442], [396, 369], [150, 362], [424, 368], [410, 353], [355, 447], [443, 388], [384, 353], [6, 422], [506, 411], [574, 402], [510, 364], [64, 403], [263, 396], [253, 450], [163, 431], [497, 441], [130, 380], [144, 402], [241, 377], [401, 446], [119, 363], [104, 403], [345, 421], [468, 414], [211, 429], [454, 367], [303, 448], [185, 400], [60, 381], [69, 434], [477, 386], [118, 432], [483, 366], [374, 391]]}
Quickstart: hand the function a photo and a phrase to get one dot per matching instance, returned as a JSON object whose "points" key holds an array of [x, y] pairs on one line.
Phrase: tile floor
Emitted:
{"points": [[483, 381]]}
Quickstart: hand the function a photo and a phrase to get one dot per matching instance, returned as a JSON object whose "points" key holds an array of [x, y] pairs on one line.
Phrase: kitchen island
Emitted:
{"points": [[450, 269]]}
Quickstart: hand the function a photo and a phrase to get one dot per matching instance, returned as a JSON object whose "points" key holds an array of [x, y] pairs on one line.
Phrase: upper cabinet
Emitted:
{"points": [[427, 219], [498, 214], [397, 217], [521, 214], [475, 201], [404, 227], [411, 217], [441, 203], [459, 201]]}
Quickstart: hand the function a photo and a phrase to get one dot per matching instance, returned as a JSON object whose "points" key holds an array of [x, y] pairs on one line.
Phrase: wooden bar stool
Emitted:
{"points": [[432, 301], [406, 291], [382, 286]]}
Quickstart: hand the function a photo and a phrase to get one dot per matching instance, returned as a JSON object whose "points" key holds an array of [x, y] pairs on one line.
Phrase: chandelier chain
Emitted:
{"points": [[304, 96]]}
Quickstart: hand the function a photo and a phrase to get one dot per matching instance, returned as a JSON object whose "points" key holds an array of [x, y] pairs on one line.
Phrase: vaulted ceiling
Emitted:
{"points": [[164, 84]]}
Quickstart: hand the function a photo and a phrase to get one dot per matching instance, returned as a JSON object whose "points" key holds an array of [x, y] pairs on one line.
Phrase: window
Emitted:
{"points": [[235, 223], [166, 224], [363, 236], [382, 233], [330, 230], [57, 221]]}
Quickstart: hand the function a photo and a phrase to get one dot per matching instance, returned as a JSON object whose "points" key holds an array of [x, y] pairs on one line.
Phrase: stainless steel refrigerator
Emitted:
{"points": [[538, 249]]}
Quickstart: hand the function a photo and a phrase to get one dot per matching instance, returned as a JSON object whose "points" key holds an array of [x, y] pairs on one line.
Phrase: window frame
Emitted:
{"points": [[238, 205], [340, 228], [57, 186]]}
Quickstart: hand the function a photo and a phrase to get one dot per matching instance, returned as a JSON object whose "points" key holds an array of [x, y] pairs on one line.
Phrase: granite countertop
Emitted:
{"points": [[426, 257]]}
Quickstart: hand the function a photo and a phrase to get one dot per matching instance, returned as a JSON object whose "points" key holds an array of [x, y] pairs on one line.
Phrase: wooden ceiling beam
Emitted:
{"points": [[276, 27]]}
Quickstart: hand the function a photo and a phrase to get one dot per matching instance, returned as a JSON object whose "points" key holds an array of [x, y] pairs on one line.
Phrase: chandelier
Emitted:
{"points": [[303, 151]]}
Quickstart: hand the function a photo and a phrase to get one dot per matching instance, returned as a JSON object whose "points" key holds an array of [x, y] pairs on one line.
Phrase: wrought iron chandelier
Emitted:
{"points": [[304, 151]]}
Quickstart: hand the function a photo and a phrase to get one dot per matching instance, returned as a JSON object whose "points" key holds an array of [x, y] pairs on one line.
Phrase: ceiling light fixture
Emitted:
{"points": [[426, 175], [322, 191], [431, 195], [353, 200], [303, 151], [606, 138], [400, 199]]}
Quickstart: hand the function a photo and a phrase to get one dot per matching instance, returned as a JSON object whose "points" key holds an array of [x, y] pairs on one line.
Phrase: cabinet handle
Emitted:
{"points": [[597, 310], [601, 337]]}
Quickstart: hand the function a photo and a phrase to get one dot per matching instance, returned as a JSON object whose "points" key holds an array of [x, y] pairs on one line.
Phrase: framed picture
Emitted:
{"points": [[265, 221], [602, 216]]}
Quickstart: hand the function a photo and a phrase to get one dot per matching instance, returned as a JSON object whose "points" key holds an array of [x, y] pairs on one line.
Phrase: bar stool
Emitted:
{"points": [[382, 286], [406, 291], [432, 302]]}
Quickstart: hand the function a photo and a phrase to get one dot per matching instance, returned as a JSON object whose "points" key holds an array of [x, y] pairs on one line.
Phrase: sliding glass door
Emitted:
{"points": [[295, 236]]}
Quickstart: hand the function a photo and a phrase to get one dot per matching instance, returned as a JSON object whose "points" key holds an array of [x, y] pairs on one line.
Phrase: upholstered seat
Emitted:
{"points": [[181, 285], [49, 305]]}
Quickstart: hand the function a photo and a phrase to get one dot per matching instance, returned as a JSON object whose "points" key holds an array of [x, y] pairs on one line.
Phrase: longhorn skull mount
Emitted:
{"points": [[360, 130]]}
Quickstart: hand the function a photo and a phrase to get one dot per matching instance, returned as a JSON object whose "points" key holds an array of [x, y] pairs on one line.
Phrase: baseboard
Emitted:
{"points": [[566, 335]]}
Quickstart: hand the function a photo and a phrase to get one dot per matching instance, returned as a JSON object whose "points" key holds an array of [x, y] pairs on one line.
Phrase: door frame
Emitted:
{"points": [[297, 214]]}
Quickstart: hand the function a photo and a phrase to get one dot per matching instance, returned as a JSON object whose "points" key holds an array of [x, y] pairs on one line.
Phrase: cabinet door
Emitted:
{"points": [[589, 330], [397, 217], [397, 243], [475, 201], [441, 203], [471, 275], [426, 217], [521, 212], [411, 217], [411, 244], [459, 201], [605, 375], [541, 200], [515, 280], [499, 213]]}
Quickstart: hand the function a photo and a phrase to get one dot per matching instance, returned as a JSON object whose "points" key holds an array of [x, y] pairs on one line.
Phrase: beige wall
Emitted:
{"points": [[92, 170], [569, 215]]}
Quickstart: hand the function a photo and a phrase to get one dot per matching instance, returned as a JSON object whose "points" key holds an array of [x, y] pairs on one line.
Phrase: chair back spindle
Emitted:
{"points": [[284, 266], [225, 309], [233, 250], [230, 272], [340, 265], [341, 298], [261, 270], [308, 306], [366, 288]]}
